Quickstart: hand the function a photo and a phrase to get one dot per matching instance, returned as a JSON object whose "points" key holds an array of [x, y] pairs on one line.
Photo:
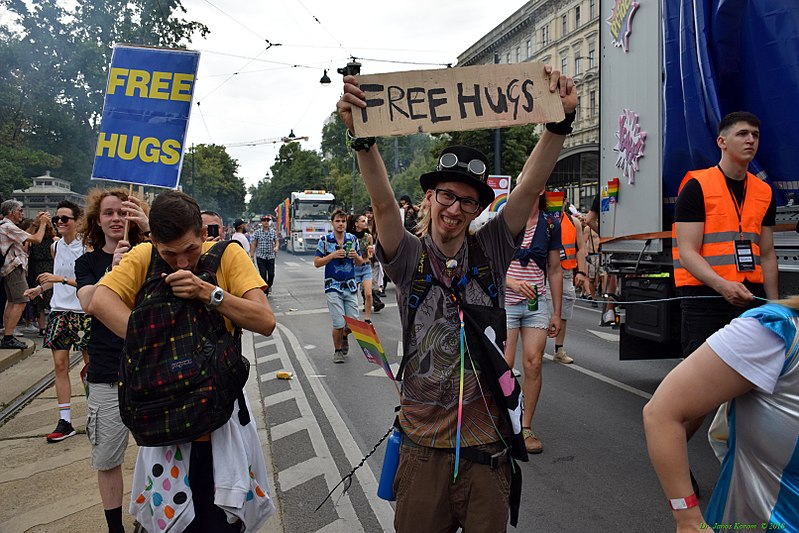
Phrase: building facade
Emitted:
{"points": [[45, 194], [564, 34]]}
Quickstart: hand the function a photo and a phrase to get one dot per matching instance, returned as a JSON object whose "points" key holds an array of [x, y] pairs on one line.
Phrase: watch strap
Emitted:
{"points": [[359, 143]]}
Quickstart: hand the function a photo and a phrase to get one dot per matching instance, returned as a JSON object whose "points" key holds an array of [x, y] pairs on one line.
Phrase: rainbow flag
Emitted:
{"points": [[554, 201], [499, 202], [613, 188], [367, 339]]}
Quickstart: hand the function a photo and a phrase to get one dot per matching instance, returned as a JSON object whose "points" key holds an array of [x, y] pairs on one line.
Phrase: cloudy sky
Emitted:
{"points": [[249, 91]]}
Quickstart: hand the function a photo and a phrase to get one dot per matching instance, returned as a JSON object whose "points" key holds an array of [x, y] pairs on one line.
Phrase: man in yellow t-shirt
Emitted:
{"points": [[177, 234]]}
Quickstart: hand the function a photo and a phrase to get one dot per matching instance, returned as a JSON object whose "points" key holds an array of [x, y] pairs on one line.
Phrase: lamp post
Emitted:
{"points": [[353, 68], [497, 140]]}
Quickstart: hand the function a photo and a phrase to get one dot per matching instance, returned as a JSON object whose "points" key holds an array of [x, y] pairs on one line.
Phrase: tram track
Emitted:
{"points": [[32, 392]]}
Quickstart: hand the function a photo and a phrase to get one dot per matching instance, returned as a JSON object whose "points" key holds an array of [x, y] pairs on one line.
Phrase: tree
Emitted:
{"points": [[294, 170], [55, 63], [214, 182]]}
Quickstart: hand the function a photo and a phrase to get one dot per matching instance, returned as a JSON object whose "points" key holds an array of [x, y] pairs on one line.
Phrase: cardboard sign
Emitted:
{"points": [[456, 99], [145, 116]]}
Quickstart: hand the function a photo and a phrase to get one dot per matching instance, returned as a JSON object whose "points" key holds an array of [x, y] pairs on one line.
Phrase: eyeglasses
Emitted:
{"points": [[450, 161], [63, 219], [447, 198]]}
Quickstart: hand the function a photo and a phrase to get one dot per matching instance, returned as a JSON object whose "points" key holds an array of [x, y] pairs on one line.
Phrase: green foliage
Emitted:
{"points": [[295, 170], [55, 61], [516, 143], [209, 174]]}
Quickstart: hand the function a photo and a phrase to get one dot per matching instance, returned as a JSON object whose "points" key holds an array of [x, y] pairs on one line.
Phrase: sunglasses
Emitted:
{"points": [[62, 219]]}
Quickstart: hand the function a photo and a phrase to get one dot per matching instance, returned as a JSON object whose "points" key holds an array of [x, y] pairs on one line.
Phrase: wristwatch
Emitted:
{"points": [[217, 295]]}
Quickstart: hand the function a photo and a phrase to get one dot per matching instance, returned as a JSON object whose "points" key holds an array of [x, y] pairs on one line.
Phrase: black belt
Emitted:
{"points": [[470, 453]]}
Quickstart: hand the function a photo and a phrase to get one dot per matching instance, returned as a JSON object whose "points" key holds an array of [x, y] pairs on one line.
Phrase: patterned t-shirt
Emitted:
{"points": [[430, 388], [339, 273]]}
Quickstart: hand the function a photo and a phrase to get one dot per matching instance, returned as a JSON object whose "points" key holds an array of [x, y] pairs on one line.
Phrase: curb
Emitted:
{"points": [[275, 523], [9, 358]]}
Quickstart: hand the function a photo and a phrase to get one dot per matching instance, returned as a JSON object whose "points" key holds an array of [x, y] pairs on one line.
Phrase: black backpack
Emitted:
{"points": [[181, 369]]}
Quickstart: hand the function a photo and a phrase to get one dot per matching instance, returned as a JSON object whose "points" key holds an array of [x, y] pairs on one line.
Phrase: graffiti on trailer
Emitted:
{"points": [[621, 23], [630, 144]]}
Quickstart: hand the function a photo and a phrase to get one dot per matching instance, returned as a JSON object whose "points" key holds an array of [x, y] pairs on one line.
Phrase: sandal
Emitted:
{"points": [[531, 442]]}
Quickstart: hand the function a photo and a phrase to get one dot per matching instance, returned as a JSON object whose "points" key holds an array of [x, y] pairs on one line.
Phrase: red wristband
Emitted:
{"points": [[680, 504]]}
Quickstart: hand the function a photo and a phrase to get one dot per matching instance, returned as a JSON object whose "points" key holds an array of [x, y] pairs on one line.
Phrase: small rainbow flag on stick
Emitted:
{"points": [[555, 201], [613, 188], [367, 339]]}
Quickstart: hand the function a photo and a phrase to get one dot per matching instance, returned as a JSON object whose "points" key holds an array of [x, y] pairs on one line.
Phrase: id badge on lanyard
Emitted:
{"points": [[744, 258]]}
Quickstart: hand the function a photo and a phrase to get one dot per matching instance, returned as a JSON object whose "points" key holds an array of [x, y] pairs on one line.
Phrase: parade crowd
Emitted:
{"points": [[122, 281]]}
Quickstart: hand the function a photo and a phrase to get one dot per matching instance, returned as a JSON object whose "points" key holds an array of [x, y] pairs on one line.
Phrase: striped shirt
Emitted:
{"points": [[531, 273]]}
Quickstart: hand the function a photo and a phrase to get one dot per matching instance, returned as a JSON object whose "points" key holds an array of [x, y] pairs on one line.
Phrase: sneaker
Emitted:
{"points": [[30, 329], [338, 356], [562, 357], [379, 306], [62, 431], [531, 442], [13, 344], [18, 332], [41, 333], [516, 373], [608, 318], [345, 345]]}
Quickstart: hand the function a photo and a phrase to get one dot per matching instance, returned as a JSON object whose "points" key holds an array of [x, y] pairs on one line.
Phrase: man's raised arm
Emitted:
{"points": [[539, 165], [373, 169]]}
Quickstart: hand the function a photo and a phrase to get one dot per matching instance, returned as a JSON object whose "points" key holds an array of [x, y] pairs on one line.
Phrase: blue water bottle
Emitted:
{"points": [[385, 489]]}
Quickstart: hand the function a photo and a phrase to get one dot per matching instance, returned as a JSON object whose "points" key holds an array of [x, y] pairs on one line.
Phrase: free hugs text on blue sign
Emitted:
{"points": [[145, 116]]}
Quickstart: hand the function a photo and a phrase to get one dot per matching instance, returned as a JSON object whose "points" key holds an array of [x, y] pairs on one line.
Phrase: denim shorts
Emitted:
{"points": [[519, 317], [340, 304], [363, 273]]}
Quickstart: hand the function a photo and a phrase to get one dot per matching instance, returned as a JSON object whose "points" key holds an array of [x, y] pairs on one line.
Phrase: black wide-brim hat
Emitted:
{"points": [[461, 174]]}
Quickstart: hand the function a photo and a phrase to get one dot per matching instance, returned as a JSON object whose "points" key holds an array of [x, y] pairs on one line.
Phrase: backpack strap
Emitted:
{"points": [[479, 269]]}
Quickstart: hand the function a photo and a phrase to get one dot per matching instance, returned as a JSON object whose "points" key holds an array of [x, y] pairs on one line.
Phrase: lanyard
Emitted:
{"points": [[738, 208]]}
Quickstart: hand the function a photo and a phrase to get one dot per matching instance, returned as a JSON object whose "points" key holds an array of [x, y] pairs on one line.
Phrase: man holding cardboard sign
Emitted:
{"points": [[461, 407]]}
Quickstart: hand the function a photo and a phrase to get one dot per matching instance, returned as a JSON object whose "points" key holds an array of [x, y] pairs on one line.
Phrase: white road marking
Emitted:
{"points": [[308, 347], [605, 379], [292, 264], [266, 358], [262, 344], [323, 462], [381, 508], [380, 373], [318, 311], [610, 337]]}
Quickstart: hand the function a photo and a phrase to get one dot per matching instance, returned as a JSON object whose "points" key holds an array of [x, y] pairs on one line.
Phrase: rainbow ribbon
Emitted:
{"points": [[460, 397]]}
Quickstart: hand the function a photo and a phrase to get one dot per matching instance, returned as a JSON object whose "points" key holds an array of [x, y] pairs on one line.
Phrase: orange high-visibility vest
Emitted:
{"points": [[721, 226], [568, 239]]}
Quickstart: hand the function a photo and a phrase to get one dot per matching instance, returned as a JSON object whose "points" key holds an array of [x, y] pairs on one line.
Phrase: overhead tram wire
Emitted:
{"points": [[270, 45], [324, 28], [267, 41]]}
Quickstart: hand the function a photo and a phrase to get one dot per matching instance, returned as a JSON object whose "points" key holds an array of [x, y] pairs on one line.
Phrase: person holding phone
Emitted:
{"points": [[212, 222]]}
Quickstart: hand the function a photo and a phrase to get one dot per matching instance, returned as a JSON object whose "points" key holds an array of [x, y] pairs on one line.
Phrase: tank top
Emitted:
{"points": [[65, 297]]}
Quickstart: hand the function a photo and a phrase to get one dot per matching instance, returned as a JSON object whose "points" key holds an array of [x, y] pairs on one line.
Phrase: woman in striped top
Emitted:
{"points": [[535, 261]]}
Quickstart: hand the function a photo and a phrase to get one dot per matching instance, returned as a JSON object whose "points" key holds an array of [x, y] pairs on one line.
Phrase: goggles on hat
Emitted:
{"points": [[449, 161]]}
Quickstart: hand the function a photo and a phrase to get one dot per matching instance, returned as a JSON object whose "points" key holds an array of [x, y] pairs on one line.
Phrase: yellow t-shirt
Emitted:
{"points": [[236, 274]]}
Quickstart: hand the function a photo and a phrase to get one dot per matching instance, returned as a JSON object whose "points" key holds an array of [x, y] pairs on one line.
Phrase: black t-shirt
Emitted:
{"points": [[105, 348], [690, 207]]}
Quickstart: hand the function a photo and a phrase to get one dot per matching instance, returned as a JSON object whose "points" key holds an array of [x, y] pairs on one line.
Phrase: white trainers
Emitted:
{"points": [[562, 357], [608, 318]]}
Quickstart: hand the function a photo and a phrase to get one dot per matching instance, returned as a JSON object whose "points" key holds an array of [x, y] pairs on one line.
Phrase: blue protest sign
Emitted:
{"points": [[145, 116]]}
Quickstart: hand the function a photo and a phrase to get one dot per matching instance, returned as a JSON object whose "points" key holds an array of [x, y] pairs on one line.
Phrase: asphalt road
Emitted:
{"points": [[594, 474]]}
